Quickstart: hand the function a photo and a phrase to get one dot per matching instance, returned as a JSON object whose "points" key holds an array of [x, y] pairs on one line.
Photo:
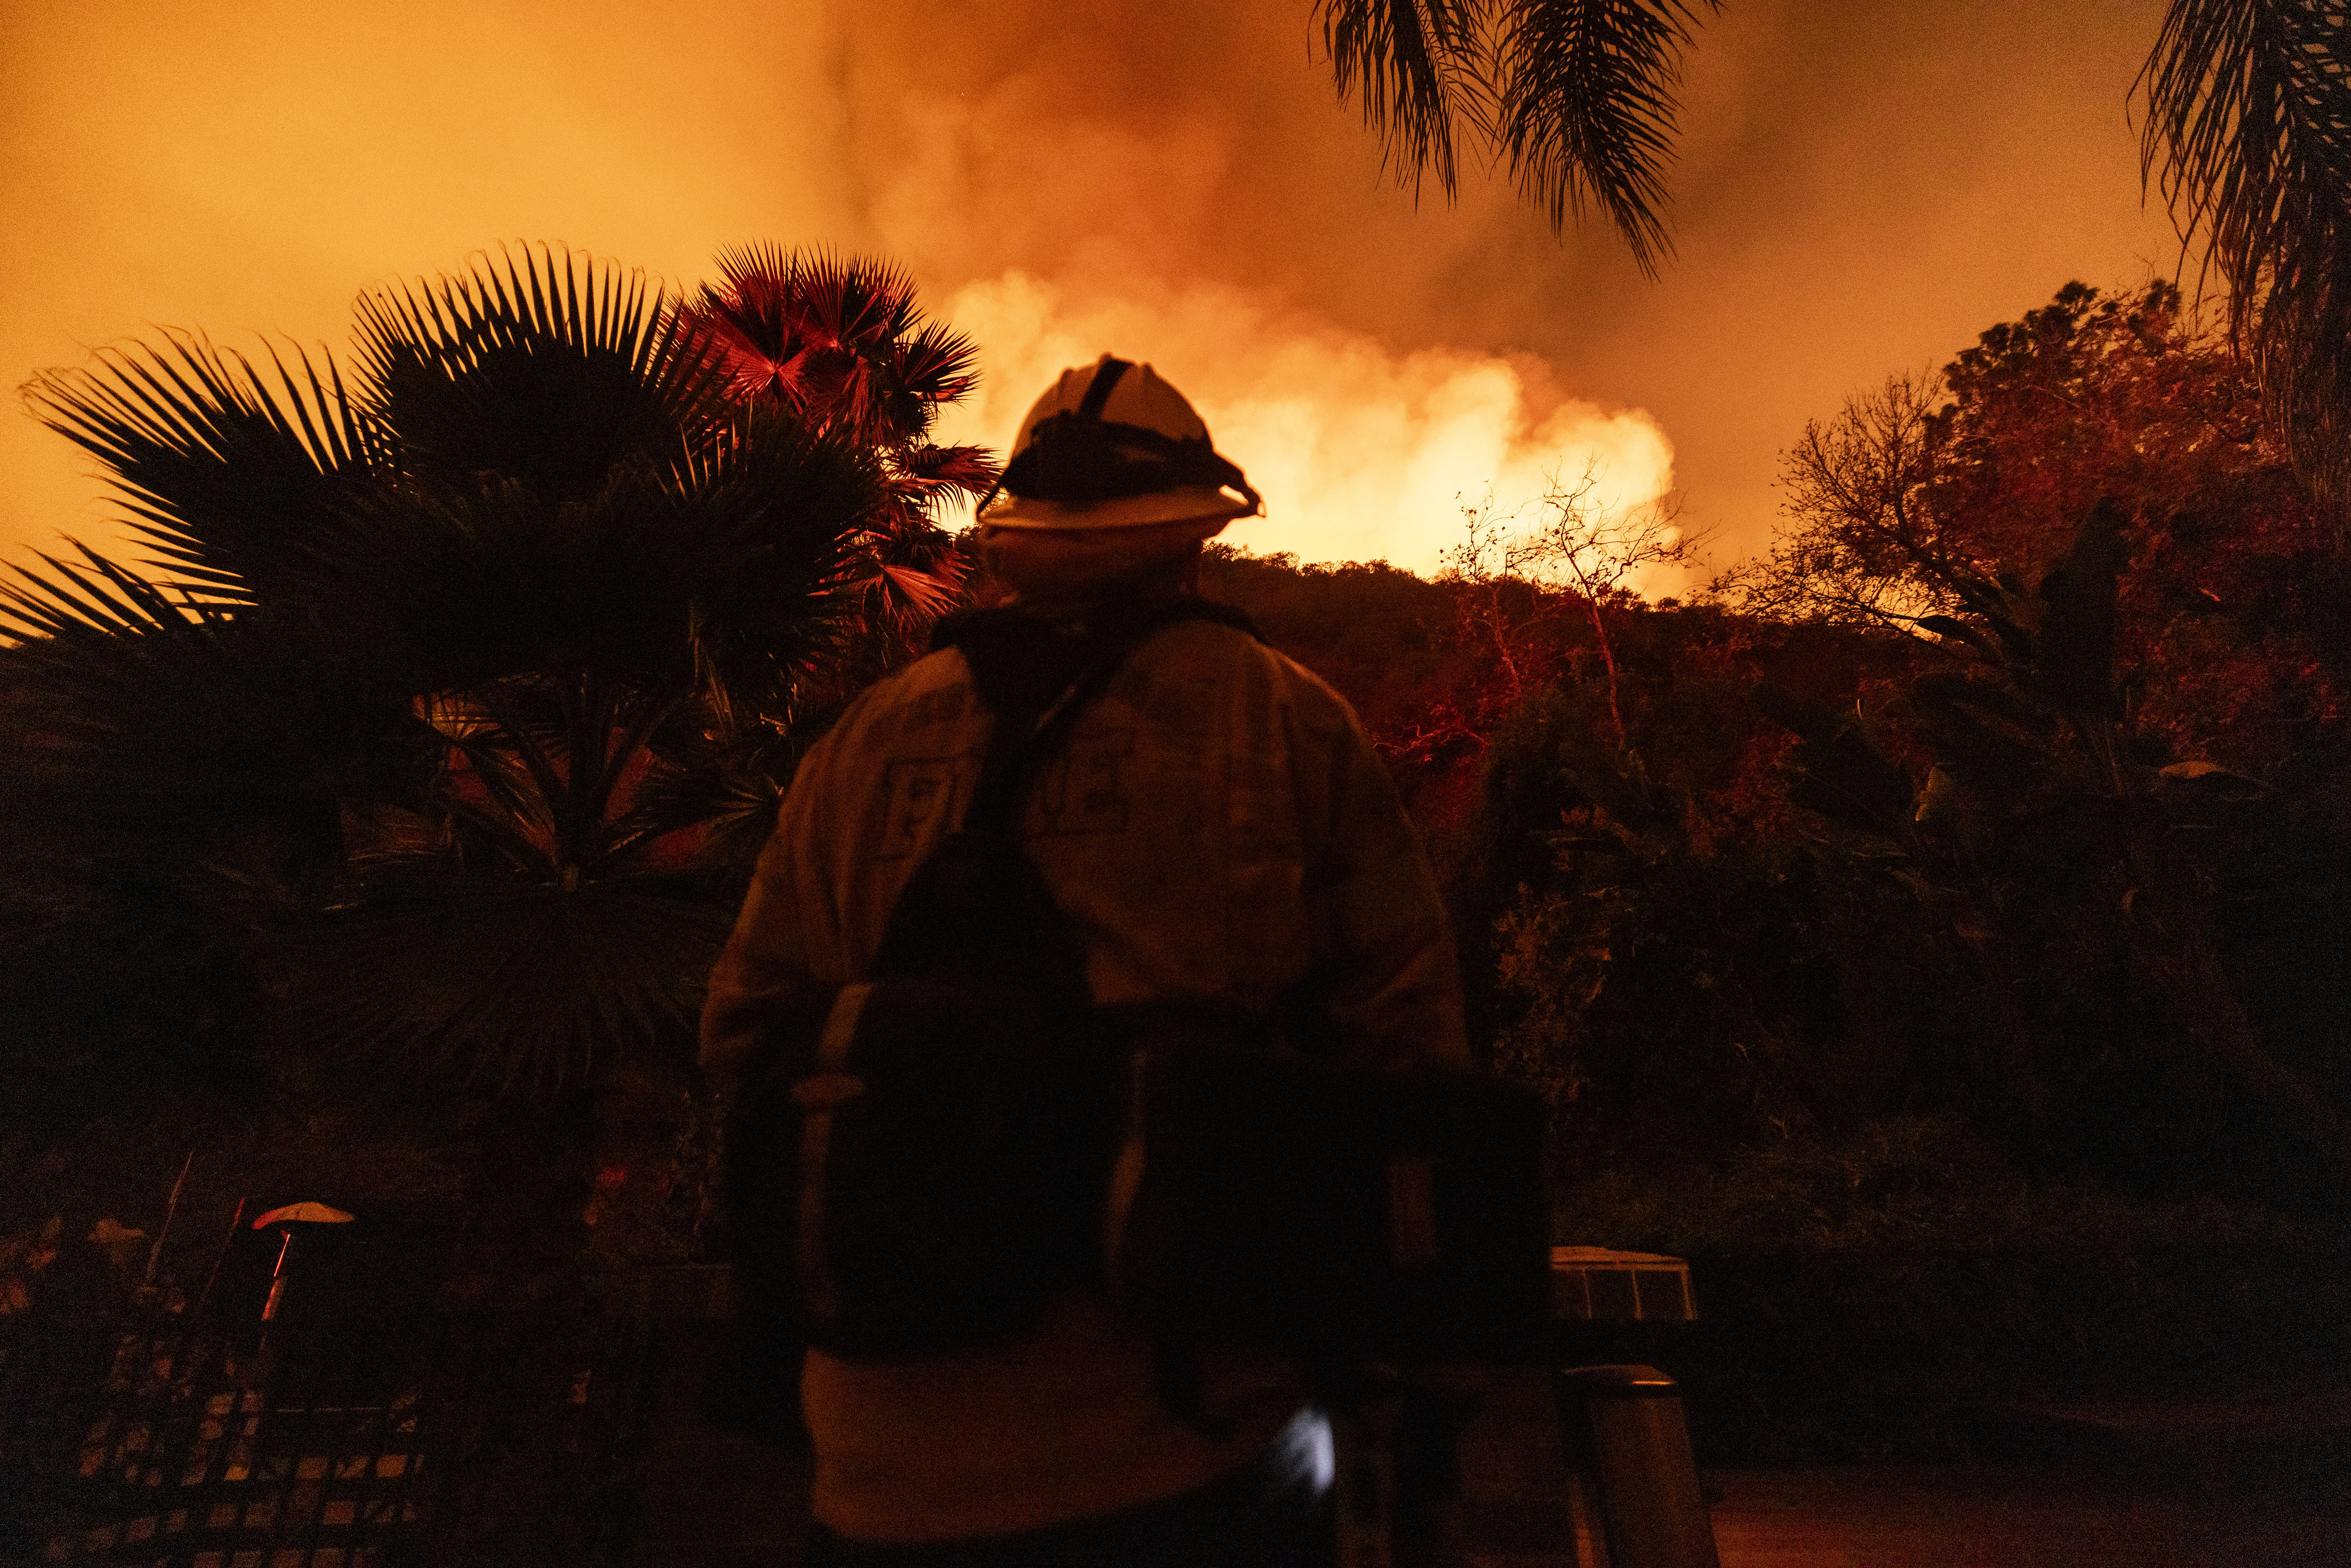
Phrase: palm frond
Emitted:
{"points": [[223, 467], [937, 365], [460, 585], [519, 990], [492, 818], [2249, 134], [454, 586], [1415, 65], [778, 515], [100, 599], [757, 264], [1585, 109], [924, 474], [754, 325], [855, 302], [549, 370], [548, 775], [840, 341], [164, 731], [907, 580]]}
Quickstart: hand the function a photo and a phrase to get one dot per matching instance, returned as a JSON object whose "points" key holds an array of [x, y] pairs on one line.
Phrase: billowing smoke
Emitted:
{"points": [[1170, 181], [1863, 187], [1183, 191], [1362, 452]]}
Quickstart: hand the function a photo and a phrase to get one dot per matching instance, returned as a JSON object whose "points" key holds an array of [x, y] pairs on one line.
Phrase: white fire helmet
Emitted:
{"points": [[1112, 445]]}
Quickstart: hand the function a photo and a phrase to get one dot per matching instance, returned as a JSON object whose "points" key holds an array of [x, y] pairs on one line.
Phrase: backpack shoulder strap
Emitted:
{"points": [[1037, 679], [976, 903]]}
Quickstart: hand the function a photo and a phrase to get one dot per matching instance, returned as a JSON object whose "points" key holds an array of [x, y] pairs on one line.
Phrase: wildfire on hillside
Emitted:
{"points": [[1176, 194], [1362, 452]]}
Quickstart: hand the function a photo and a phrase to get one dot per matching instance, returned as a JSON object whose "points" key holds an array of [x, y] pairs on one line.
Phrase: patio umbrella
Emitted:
{"points": [[311, 1213], [286, 1219]]}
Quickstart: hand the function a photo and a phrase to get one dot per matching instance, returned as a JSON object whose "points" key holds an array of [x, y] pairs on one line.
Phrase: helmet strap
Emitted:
{"points": [[1098, 391], [1185, 461]]}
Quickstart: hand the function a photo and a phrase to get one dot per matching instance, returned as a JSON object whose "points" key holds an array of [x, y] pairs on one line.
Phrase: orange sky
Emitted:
{"points": [[1863, 188]]}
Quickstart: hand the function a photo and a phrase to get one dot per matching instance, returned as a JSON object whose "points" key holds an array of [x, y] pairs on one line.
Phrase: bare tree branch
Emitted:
{"points": [[1577, 543], [1862, 544]]}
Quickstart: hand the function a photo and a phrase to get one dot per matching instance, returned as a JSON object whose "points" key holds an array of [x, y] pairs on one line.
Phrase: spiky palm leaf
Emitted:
{"points": [[557, 912], [746, 544], [548, 370], [782, 589], [553, 909], [840, 345], [162, 727], [547, 759], [531, 507], [857, 315], [514, 988], [1586, 108], [928, 475], [2249, 121], [223, 468], [839, 342], [1578, 96]]}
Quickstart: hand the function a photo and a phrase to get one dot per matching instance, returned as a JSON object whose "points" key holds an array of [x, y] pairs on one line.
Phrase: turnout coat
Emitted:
{"points": [[1217, 829]]}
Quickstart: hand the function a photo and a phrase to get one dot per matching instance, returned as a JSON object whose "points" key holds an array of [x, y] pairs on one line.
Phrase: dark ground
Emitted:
{"points": [[2258, 1479], [2016, 1517]]}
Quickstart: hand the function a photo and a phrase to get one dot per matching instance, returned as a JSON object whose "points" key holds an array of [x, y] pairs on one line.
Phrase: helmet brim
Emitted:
{"points": [[1186, 504]]}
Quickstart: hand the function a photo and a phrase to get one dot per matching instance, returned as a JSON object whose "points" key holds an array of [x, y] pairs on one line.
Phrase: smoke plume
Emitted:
{"points": [[1861, 188], [1362, 452]]}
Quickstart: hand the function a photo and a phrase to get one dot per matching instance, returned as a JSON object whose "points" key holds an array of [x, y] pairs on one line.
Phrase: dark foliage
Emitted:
{"points": [[439, 750], [2022, 809], [839, 345]]}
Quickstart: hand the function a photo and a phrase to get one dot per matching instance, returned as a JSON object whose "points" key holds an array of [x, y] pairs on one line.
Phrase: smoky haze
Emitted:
{"points": [[1862, 189]]}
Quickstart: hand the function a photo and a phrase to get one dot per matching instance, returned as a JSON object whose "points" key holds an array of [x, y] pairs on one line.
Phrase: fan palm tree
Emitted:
{"points": [[461, 661], [2249, 132], [459, 687], [1576, 96], [840, 345]]}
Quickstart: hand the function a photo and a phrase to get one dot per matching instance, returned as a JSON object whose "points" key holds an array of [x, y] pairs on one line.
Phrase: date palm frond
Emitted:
{"points": [[1414, 65], [1576, 96], [1585, 109], [2248, 135]]}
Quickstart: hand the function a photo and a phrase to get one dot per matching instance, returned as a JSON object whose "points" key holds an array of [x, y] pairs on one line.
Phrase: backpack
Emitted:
{"points": [[919, 1162], [926, 1156], [1348, 1214]]}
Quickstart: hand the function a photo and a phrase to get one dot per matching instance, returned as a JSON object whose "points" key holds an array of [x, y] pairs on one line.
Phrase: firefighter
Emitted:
{"points": [[1219, 831]]}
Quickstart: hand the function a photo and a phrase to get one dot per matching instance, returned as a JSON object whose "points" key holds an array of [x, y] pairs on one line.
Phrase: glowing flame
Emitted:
{"points": [[1361, 453]]}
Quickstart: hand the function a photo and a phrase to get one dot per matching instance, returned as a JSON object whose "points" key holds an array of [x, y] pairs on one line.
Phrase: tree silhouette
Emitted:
{"points": [[1576, 543], [472, 668]]}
